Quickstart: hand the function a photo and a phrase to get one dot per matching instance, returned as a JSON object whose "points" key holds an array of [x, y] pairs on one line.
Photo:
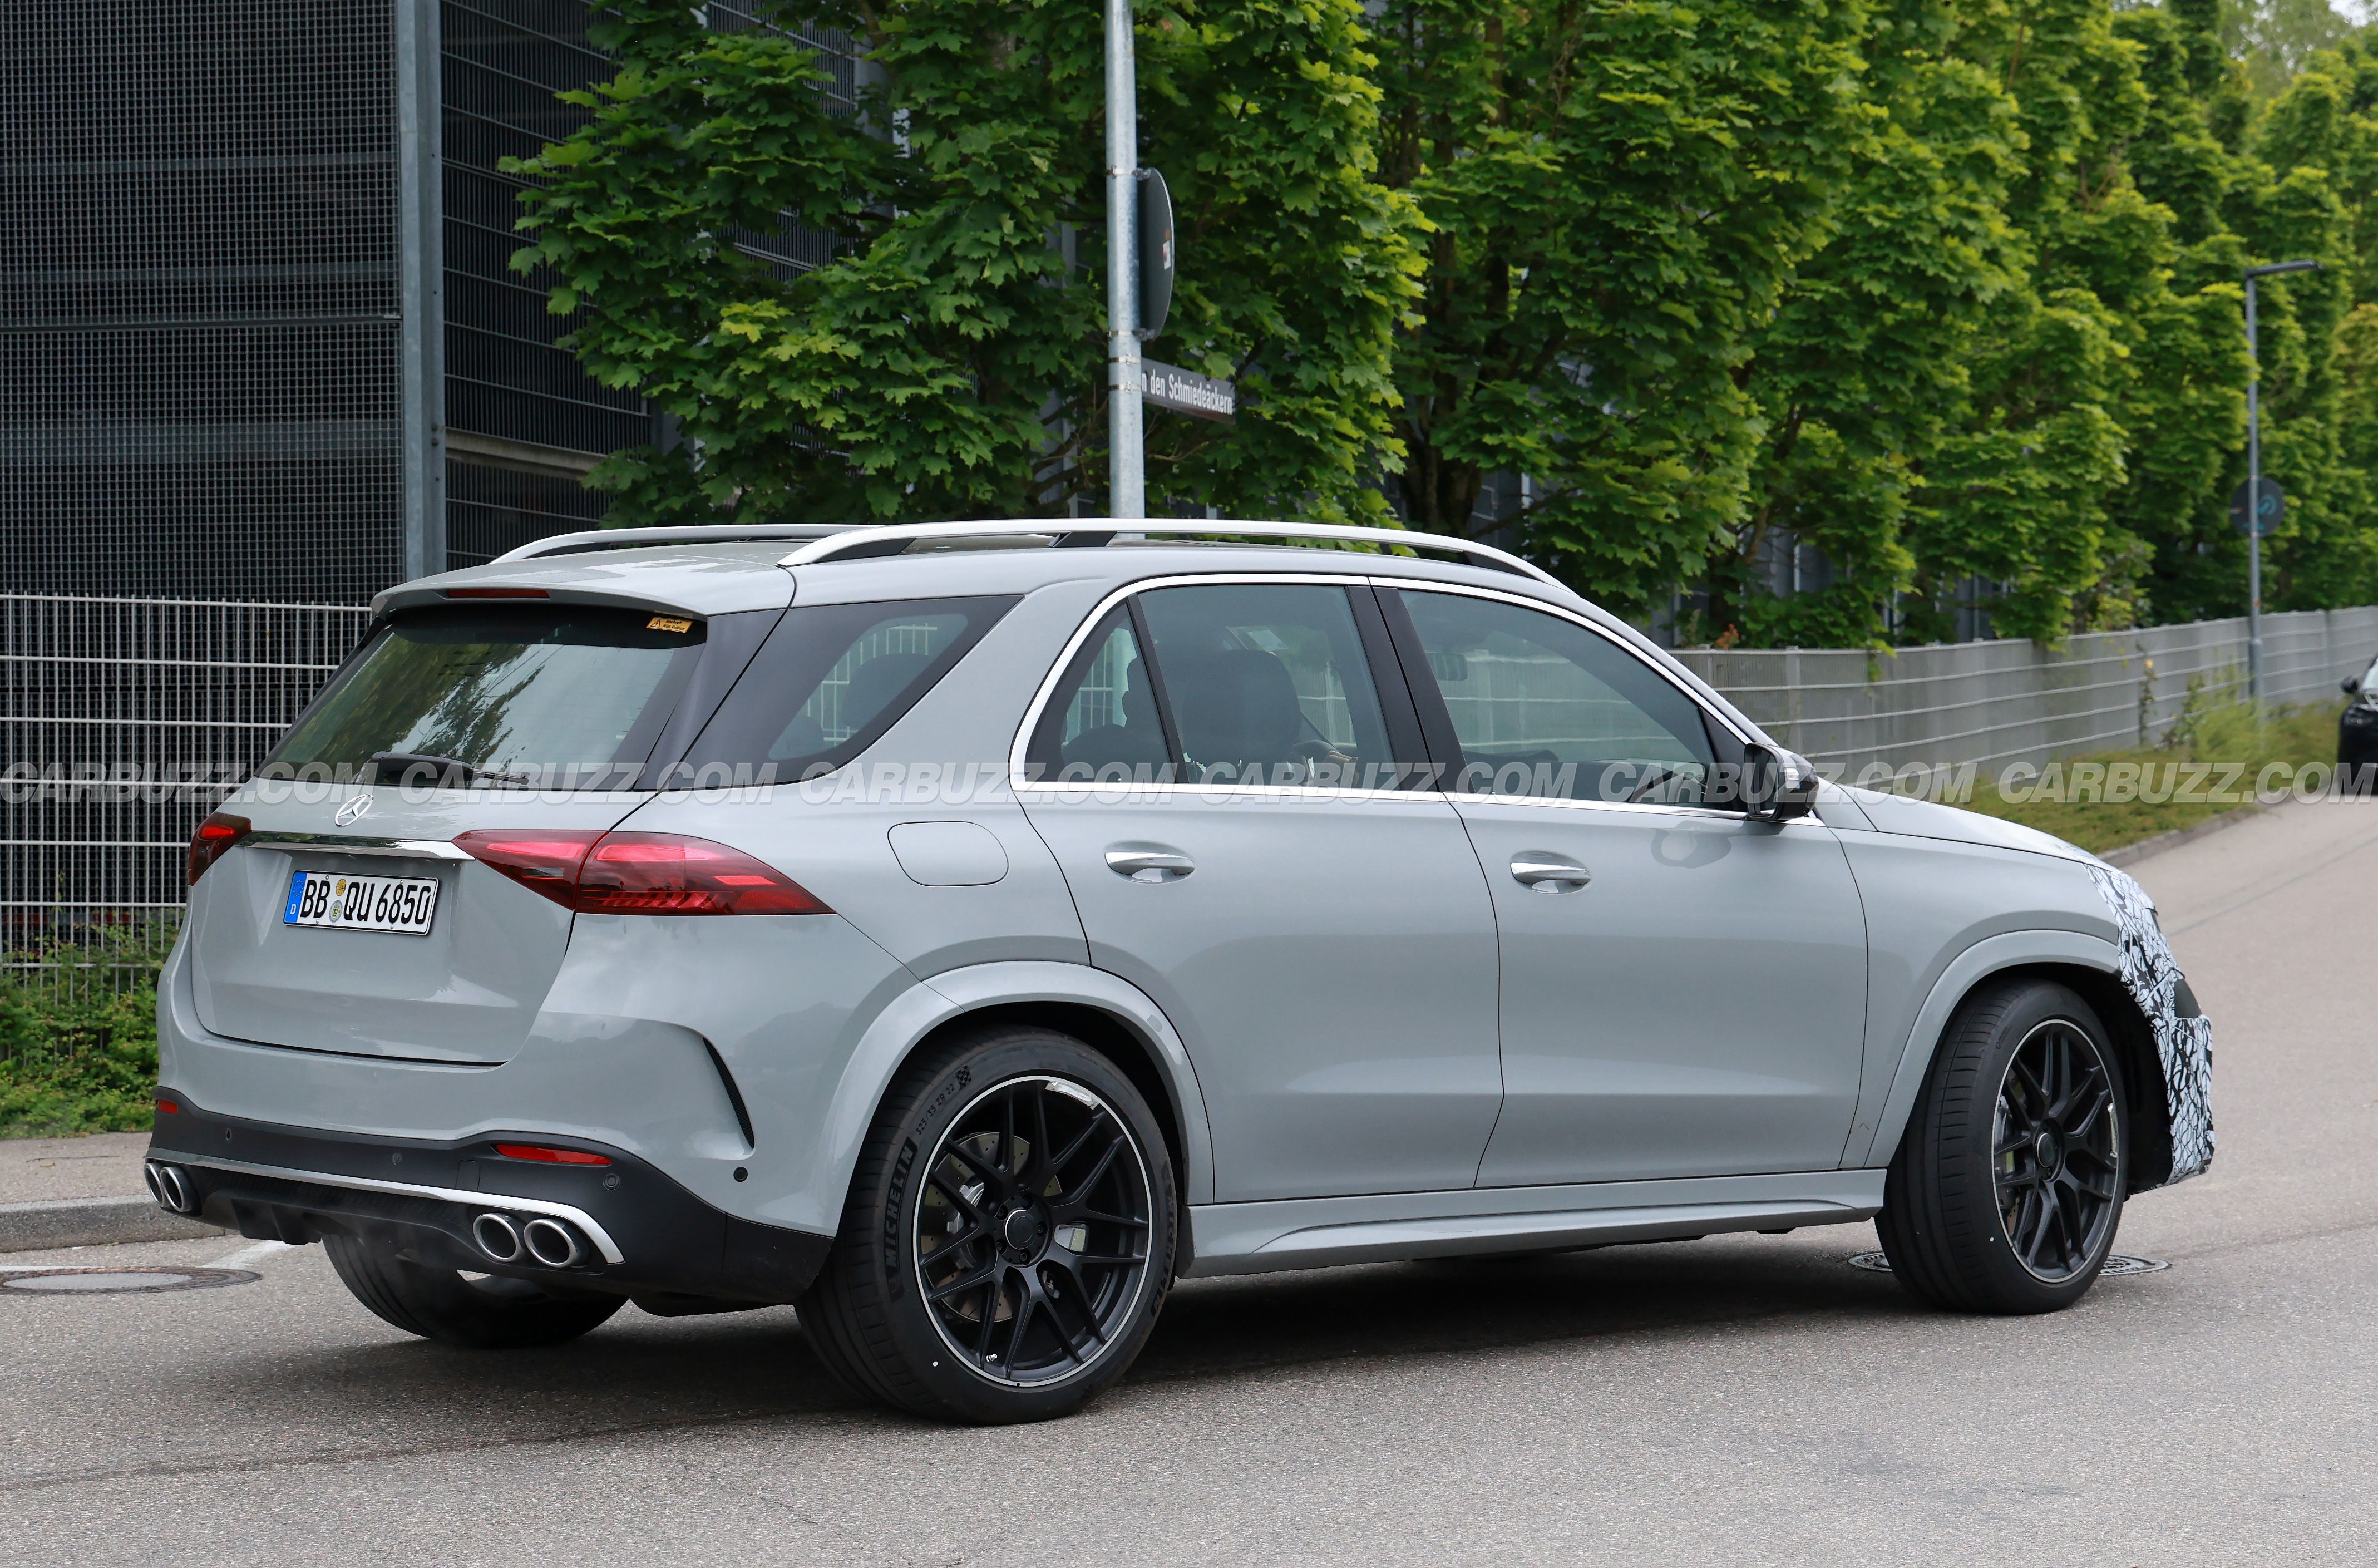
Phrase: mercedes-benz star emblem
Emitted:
{"points": [[353, 809]]}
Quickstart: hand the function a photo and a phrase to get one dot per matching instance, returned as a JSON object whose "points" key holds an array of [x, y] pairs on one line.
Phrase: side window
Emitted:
{"points": [[1102, 718], [832, 678], [1268, 684], [1542, 706]]}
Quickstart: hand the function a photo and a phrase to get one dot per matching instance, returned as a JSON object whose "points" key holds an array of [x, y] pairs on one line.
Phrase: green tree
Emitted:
{"points": [[1619, 191], [950, 360]]}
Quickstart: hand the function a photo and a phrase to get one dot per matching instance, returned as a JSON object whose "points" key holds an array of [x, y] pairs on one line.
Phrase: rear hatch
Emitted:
{"points": [[347, 919]]}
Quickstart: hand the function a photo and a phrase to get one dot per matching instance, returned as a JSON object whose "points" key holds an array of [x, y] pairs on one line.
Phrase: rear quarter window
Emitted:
{"points": [[833, 678]]}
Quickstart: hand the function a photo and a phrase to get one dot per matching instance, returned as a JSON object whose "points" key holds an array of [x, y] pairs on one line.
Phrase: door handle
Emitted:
{"points": [[1548, 872], [1143, 865]]}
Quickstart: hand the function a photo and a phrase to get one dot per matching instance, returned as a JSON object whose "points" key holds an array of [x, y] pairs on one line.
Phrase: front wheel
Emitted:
{"points": [[2008, 1185], [1008, 1239]]}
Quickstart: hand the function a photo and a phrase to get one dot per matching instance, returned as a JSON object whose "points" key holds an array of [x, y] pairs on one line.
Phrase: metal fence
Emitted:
{"points": [[123, 721], [2010, 701]]}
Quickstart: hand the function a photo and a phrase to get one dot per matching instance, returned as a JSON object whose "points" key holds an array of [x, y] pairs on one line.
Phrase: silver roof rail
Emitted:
{"points": [[692, 534], [892, 539]]}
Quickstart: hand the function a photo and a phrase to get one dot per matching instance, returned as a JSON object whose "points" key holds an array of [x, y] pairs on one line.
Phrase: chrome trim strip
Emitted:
{"points": [[326, 843], [1214, 529], [498, 1201]]}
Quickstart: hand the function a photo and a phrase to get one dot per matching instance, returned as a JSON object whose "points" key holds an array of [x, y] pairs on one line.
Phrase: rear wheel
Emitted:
{"points": [[2008, 1187], [1009, 1235], [485, 1313]]}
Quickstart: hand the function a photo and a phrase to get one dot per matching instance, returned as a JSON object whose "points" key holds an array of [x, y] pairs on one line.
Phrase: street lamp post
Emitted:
{"points": [[1127, 462], [2254, 474]]}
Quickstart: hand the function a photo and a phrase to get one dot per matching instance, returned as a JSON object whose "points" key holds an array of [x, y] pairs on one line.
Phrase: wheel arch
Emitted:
{"points": [[1105, 1012], [2091, 967]]}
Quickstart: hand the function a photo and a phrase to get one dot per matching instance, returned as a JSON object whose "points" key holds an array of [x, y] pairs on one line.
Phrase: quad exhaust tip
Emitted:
{"points": [[555, 1245], [498, 1237], [548, 1242], [170, 1188]]}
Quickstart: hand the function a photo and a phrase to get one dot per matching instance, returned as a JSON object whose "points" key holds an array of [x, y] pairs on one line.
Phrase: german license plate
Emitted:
{"points": [[361, 903]]}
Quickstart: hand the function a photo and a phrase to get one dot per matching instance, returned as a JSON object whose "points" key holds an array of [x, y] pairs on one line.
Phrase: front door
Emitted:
{"points": [[1224, 806], [1683, 989]]}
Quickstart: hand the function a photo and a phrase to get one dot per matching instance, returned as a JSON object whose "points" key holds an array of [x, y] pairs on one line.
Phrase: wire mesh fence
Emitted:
{"points": [[2010, 701], [123, 722]]}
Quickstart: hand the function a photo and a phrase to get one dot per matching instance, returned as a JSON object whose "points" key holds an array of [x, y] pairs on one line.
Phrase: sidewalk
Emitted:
{"points": [[106, 1164], [82, 1193]]}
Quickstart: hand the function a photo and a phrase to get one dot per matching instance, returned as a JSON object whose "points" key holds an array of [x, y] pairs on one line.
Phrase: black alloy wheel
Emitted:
{"points": [[1008, 1240], [2056, 1149], [1032, 1229], [2007, 1184]]}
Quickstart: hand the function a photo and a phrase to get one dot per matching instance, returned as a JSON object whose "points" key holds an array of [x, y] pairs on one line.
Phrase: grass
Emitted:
{"points": [[2222, 737], [77, 1057]]}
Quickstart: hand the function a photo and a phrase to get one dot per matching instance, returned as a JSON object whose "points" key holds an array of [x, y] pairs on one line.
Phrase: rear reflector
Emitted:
{"points": [[169, 1107], [495, 594], [550, 1156], [597, 872], [214, 837]]}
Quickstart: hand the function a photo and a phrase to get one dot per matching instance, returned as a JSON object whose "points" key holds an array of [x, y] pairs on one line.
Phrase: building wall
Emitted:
{"points": [[199, 329], [216, 218]]}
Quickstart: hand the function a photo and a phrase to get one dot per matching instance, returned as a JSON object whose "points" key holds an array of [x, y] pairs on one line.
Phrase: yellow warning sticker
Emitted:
{"points": [[668, 624]]}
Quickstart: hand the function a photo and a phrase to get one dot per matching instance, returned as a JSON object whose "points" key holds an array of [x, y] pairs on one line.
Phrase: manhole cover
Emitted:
{"points": [[100, 1282], [2117, 1266]]}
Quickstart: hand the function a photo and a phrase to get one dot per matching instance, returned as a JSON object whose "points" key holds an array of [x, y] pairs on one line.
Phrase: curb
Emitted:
{"points": [[2179, 836], [92, 1222]]}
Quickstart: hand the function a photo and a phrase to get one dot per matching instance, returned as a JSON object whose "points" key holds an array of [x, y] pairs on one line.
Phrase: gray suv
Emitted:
{"points": [[965, 933]]}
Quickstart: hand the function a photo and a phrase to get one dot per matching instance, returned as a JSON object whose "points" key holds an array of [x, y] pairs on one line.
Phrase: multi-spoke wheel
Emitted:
{"points": [[2056, 1153], [2008, 1185], [1009, 1235], [1031, 1233]]}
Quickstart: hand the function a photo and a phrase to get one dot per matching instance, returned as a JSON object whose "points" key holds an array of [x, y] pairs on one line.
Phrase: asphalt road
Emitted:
{"points": [[1748, 1400]]}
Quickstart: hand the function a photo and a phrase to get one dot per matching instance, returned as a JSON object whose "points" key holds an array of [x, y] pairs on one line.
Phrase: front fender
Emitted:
{"points": [[918, 1011], [1992, 955]]}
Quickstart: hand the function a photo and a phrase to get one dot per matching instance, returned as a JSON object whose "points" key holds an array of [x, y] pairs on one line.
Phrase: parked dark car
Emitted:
{"points": [[2357, 734]]}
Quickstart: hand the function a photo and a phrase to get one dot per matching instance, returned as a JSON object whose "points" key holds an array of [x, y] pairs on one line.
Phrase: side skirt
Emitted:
{"points": [[1308, 1233]]}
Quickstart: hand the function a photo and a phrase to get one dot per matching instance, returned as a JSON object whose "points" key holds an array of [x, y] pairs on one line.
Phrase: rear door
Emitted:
{"points": [[1217, 770], [517, 717], [1683, 989]]}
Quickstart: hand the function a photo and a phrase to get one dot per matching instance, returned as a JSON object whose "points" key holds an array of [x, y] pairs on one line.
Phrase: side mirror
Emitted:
{"points": [[2350, 684], [1777, 785]]}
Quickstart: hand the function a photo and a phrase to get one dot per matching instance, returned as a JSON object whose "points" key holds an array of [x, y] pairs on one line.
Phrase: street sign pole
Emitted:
{"points": [[1126, 462], [2254, 491], [2254, 475]]}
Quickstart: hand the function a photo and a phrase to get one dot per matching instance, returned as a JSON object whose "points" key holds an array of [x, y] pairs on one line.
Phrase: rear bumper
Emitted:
{"points": [[645, 1234]]}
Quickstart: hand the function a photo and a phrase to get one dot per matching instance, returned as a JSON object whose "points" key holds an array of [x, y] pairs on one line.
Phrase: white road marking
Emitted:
{"points": [[253, 1253]]}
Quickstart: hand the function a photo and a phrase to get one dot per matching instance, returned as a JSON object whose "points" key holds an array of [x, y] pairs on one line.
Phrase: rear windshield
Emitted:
{"points": [[551, 695], [833, 677]]}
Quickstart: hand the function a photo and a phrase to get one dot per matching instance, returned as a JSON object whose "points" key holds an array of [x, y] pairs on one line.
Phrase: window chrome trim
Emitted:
{"points": [[579, 1217], [1018, 765]]}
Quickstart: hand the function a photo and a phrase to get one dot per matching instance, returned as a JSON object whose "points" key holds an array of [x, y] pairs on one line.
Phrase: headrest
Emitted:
{"points": [[1238, 704]]}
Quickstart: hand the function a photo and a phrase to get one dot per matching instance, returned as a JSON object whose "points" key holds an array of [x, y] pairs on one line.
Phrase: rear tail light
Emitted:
{"points": [[215, 835], [596, 873], [544, 863]]}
